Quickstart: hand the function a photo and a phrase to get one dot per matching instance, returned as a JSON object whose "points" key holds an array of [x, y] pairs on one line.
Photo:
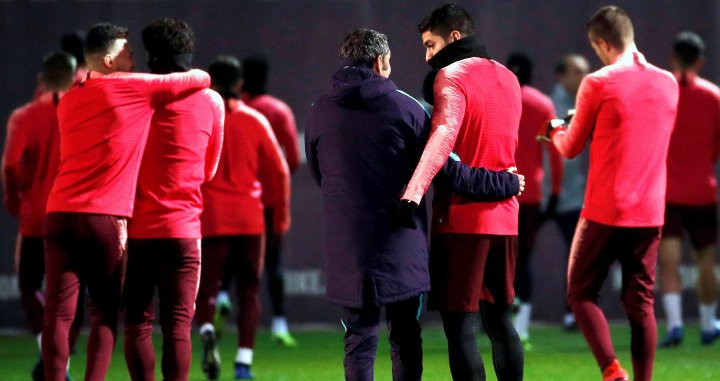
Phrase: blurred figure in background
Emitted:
{"points": [[537, 111], [29, 166], [691, 192], [565, 206], [252, 177]]}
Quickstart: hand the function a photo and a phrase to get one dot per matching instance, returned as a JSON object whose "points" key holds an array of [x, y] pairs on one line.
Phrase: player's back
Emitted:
{"points": [[174, 166], [36, 127], [537, 110], [233, 198], [695, 144], [637, 108], [487, 138]]}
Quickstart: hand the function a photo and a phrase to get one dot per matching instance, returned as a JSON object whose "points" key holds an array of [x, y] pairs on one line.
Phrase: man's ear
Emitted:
{"points": [[454, 36], [378, 64], [108, 61]]}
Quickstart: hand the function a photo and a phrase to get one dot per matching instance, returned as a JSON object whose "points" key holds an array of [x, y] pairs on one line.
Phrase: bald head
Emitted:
{"points": [[570, 71]]}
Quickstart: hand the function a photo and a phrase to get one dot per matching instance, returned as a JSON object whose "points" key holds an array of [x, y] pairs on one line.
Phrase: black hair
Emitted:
{"points": [[522, 66], [688, 48], [364, 46], [255, 75], [73, 44], [58, 70], [447, 18], [168, 37], [102, 36], [225, 71], [613, 25]]}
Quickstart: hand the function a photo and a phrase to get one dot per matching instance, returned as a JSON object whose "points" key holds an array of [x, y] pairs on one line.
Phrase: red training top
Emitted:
{"points": [[182, 152], [477, 110], [695, 144], [104, 124], [282, 121], [537, 111], [250, 163], [627, 110], [30, 162]]}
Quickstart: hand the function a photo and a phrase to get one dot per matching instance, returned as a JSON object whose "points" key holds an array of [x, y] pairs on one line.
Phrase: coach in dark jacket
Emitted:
{"points": [[363, 141]]}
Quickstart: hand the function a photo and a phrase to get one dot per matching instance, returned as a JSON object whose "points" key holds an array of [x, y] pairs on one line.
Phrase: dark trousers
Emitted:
{"points": [[85, 248], [361, 338], [173, 267], [567, 222], [30, 254], [273, 271], [595, 247], [245, 255], [528, 225]]}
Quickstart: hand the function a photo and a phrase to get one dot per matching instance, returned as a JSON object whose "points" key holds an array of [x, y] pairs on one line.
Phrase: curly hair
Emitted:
{"points": [[167, 37]]}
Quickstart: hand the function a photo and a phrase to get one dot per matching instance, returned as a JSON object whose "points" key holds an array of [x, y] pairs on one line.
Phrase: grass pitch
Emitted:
{"points": [[555, 356]]}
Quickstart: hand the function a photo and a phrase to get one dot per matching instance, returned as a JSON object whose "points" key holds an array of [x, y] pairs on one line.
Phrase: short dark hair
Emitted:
{"points": [[613, 25], [688, 48], [449, 17], [101, 37], [255, 74], [168, 37], [364, 46], [521, 65], [58, 70], [73, 44], [225, 71]]}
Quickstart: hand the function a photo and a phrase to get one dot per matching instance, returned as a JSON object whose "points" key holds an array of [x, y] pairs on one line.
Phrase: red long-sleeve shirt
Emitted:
{"points": [[537, 111], [477, 111], [104, 124], [695, 144], [251, 163], [628, 109], [182, 152], [282, 121], [30, 162]]}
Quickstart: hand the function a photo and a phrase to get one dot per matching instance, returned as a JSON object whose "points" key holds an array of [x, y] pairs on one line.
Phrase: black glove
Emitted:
{"points": [[551, 208], [405, 214]]}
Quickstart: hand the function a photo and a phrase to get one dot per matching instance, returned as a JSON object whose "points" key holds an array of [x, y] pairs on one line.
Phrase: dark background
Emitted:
{"points": [[301, 38]]}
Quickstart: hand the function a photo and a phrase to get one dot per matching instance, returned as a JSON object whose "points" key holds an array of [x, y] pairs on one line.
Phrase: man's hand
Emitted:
{"points": [[545, 132], [521, 179], [405, 214]]}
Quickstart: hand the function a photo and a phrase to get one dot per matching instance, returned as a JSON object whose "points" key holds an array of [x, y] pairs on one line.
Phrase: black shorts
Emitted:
{"points": [[700, 223]]}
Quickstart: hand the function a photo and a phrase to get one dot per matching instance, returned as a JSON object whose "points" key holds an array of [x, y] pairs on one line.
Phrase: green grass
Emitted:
{"points": [[556, 356]]}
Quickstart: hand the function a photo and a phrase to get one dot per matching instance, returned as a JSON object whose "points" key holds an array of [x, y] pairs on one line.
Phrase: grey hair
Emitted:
{"points": [[364, 46]]}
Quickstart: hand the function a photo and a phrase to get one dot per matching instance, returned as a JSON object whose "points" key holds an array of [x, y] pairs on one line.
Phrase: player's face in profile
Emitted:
{"points": [[122, 55], [433, 44], [601, 49]]}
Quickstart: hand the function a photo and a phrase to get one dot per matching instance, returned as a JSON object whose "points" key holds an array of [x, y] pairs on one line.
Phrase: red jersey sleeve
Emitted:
{"points": [[446, 120], [571, 141], [162, 87], [15, 144], [287, 133], [212, 155], [275, 178]]}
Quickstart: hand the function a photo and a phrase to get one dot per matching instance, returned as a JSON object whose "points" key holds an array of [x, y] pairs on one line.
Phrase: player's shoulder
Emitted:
{"points": [[250, 115], [707, 86]]}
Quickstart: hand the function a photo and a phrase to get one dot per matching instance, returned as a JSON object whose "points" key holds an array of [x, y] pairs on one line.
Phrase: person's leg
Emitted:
{"points": [[465, 360], [177, 289], [31, 270], [62, 284], [143, 265], [103, 265], [669, 259], [403, 323], [567, 222], [507, 352], [527, 232], [250, 252], [214, 259], [361, 338], [276, 282], [589, 264], [79, 318], [638, 251], [457, 270], [702, 228], [495, 311]]}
